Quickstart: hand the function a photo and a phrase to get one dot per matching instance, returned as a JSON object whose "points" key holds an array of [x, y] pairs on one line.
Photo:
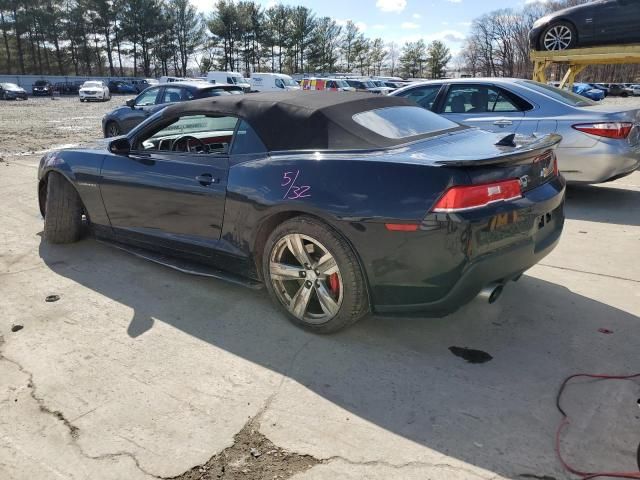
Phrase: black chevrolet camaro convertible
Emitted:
{"points": [[340, 205]]}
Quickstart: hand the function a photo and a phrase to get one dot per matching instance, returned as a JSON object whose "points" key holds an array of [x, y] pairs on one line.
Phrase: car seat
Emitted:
{"points": [[173, 97], [458, 105], [478, 102]]}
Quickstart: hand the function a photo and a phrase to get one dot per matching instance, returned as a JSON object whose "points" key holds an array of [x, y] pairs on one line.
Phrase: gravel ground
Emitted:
{"points": [[40, 124]]}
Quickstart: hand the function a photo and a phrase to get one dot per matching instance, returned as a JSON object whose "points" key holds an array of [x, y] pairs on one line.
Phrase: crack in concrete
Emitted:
{"points": [[615, 277], [416, 463], [74, 431]]}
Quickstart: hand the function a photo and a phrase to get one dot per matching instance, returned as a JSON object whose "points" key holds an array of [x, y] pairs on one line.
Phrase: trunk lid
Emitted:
{"points": [[531, 160]]}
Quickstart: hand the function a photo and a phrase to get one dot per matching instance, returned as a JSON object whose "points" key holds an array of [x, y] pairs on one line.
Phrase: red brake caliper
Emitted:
{"points": [[334, 284]]}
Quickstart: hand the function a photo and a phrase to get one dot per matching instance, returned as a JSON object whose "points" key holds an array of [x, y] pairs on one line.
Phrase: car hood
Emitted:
{"points": [[16, 90]]}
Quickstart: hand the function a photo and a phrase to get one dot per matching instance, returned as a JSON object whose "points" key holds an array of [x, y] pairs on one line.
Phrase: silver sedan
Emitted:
{"points": [[599, 142]]}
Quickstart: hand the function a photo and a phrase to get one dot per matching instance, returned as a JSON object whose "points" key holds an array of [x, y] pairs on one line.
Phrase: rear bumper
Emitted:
{"points": [[495, 265], [499, 267]]}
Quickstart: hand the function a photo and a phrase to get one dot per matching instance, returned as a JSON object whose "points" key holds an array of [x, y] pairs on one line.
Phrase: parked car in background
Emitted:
{"points": [[229, 78], [364, 85], [599, 142], [326, 84], [382, 86], [619, 90], [588, 91], [42, 88], [212, 188], [635, 90], [141, 84], [121, 120], [11, 91], [601, 22], [600, 86], [94, 90], [265, 82], [120, 86]]}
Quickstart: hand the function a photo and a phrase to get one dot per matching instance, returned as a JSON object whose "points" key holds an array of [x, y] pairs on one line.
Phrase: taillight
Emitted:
{"points": [[469, 197], [617, 130]]}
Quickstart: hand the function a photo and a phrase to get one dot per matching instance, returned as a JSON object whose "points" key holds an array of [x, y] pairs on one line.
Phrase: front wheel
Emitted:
{"points": [[112, 129], [559, 36], [314, 275], [62, 212]]}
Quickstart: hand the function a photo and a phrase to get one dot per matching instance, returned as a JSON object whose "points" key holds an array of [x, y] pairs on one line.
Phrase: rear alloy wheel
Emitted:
{"points": [[559, 36], [314, 275], [113, 130]]}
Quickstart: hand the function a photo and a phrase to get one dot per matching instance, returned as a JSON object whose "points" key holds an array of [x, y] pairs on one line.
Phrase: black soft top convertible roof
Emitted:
{"points": [[301, 120]]}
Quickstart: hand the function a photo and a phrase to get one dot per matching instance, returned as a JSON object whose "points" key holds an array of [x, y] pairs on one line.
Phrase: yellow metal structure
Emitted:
{"points": [[580, 58]]}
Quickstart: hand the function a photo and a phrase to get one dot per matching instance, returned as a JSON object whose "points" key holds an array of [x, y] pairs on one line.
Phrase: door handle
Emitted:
{"points": [[205, 179], [503, 123]]}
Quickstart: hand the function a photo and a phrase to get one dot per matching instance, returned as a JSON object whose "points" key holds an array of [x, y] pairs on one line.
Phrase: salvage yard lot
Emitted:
{"points": [[138, 371]]}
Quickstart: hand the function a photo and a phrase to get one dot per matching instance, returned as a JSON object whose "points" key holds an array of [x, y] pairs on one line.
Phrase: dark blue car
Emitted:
{"points": [[339, 205]]}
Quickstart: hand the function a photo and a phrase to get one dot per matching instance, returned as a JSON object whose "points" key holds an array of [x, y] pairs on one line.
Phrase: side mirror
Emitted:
{"points": [[131, 102], [120, 146]]}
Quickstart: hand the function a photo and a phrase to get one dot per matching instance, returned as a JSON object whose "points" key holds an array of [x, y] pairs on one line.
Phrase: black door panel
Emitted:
{"points": [[173, 196]]}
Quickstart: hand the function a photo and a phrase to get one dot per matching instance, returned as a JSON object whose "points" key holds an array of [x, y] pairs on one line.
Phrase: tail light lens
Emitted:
{"points": [[617, 130], [469, 197]]}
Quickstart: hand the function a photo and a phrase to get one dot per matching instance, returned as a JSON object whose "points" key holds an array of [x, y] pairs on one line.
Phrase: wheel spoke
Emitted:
{"points": [[300, 300], [282, 271], [327, 265], [295, 244], [328, 304]]}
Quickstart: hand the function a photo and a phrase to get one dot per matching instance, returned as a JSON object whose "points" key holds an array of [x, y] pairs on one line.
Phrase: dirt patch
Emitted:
{"points": [[40, 124], [251, 457]]}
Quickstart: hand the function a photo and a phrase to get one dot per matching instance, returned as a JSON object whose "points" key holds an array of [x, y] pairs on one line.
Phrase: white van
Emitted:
{"points": [[268, 82], [232, 78]]}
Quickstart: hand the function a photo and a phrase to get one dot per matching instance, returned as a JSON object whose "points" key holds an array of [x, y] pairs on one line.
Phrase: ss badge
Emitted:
{"points": [[524, 181]]}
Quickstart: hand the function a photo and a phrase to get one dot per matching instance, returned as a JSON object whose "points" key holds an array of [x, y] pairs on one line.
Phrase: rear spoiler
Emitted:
{"points": [[514, 148]]}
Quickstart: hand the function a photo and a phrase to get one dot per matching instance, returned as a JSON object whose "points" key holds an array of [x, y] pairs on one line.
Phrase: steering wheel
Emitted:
{"points": [[188, 139]]}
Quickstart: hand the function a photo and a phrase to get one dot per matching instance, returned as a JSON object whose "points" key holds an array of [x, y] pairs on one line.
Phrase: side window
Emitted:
{"points": [[279, 83], [247, 140], [477, 99], [171, 94], [199, 134], [147, 98], [424, 96]]}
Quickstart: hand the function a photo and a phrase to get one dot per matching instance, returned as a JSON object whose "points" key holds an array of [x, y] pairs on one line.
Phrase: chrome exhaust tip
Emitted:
{"points": [[491, 292]]}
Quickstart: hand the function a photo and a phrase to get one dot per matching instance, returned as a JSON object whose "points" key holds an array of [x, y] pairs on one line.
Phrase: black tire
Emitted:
{"points": [[111, 129], [355, 301], [561, 26], [63, 211], [624, 94]]}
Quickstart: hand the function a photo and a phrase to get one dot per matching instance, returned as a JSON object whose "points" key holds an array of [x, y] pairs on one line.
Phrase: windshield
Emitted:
{"points": [[41, 83], [342, 84], [568, 98], [289, 82], [91, 85], [9, 86], [402, 122], [368, 84]]}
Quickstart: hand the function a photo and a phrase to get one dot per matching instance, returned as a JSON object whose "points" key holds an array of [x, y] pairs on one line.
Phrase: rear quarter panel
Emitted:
{"points": [[355, 194]]}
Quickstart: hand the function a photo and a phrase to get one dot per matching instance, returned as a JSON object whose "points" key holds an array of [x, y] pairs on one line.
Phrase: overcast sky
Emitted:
{"points": [[401, 20]]}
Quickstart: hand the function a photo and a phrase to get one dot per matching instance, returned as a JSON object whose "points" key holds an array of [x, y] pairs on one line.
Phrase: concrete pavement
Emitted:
{"points": [[138, 371]]}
